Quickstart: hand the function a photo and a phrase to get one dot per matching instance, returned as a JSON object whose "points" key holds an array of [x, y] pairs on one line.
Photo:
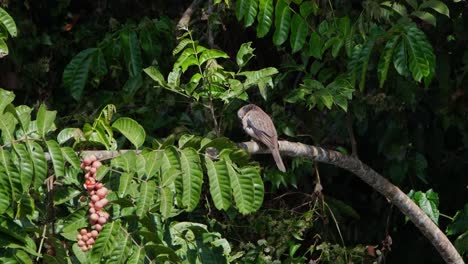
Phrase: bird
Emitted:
{"points": [[257, 124]]}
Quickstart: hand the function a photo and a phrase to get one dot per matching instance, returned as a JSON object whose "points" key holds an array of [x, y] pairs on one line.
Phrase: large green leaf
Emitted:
{"points": [[6, 97], [121, 249], [252, 8], [241, 9], [418, 59], [437, 6], [45, 120], [75, 221], [166, 202], [252, 174], [282, 22], [70, 156], [146, 198], [210, 54], [400, 59], [10, 175], [243, 189], [125, 182], [153, 162], [265, 17], [7, 127], [8, 22], [56, 157], [155, 75], [428, 202], [76, 72], [132, 52], [299, 30], [192, 178], [137, 256], [126, 161], [23, 114], [385, 59], [131, 130], [220, 188], [254, 77], [98, 63], [4, 51], [5, 192], [39, 162], [106, 242], [26, 167]]}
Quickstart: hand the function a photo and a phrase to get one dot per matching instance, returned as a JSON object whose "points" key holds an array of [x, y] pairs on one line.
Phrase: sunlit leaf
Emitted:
{"points": [[264, 18], [282, 22], [133, 131]]}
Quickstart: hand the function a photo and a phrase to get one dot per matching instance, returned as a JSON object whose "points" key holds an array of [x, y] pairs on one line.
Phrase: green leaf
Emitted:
{"points": [[192, 178], [75, 221], [299, 30], [264, 18], [147, 191], [249, 17], [56, 157], [121, 249], [9, 174], [155, 75], [385, 59], [45, 121], [39, 162], [461, 243], [3, 48], [5, 193], [126, 161], [244, 54], [23, 114], [182, 44], [241, 8], [425, 16], [131, 51], [307, 8], [70, 156], [253, 77], [63, 195], [133, 131], [210, 54], [8, 22], [166, 204], [125, 182], [245, 188], [400, 60], [98, 63], [418, 60], [6, 97], [153, 162], [26, 168], [437, 6], [69, 133], [459, 223], [76, 72], [7, 127], [138, 255], [220, 188], [282, 22], [106, 241], [428, 202]]}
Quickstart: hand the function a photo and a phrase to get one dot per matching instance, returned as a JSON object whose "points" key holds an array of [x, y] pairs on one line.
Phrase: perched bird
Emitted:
{"points": [[259, 126]]}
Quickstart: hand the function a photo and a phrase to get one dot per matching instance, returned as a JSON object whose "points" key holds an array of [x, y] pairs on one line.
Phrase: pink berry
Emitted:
{"points": [[102, 220], [78, 237], [99, 185], [95, 198], [94, 217], [87, 161], [87, 168], [98, 205], [90, 241], [94, 233], [91, 205], [84, 248], [102, 192], [83, 232], [90, 187], [96, 164], [81, 243], [98, 227], [92, 170], [104, 202]]}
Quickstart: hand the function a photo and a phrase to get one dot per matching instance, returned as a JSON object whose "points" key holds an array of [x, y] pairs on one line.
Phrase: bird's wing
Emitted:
{"points": [[259, 126]]}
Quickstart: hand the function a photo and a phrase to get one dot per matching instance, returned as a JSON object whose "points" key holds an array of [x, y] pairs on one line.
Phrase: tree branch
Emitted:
{"points": [[185, 19], [376, 181], [368, 175]]}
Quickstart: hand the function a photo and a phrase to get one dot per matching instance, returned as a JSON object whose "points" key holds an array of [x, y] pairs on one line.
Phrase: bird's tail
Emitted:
{"points": [[278, 160]]}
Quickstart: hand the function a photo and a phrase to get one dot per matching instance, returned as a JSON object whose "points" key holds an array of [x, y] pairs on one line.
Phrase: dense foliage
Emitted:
{"points": [[152, 92]]}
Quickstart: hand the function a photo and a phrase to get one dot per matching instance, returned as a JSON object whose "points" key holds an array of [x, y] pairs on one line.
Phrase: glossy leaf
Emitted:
{"points": [[264, 18], [282, 22], [76, 72], [400, 59], [252, 8], [437, 6], [299, 30], [220, 188], [125, 182], [155, 75], [6, 97], [8, 22], [425, 16], [133, 131], [244, 54], [241, 9], [147, 191], [132, 52], [386, 59], [45, 120], [26, 168], [418, 60], [56, 157], [69, 133], [3, 48], [39, 162], [7, 127], [106, 241], [192, 178], [210, 54]]}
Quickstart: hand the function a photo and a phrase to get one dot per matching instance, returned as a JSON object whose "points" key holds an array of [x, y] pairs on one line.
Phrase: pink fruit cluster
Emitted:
{"points": [[97, 216]]}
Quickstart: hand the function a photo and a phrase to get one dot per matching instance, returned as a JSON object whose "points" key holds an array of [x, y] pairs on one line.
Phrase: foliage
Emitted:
{"points": [[384, 79]]}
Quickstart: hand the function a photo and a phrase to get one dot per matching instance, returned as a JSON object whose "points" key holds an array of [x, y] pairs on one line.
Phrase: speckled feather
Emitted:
{"points": [[259, 126]]}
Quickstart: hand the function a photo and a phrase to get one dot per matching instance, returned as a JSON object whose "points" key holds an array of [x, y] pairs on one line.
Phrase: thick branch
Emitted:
{"points": [[376, 181], [185, 19]]}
